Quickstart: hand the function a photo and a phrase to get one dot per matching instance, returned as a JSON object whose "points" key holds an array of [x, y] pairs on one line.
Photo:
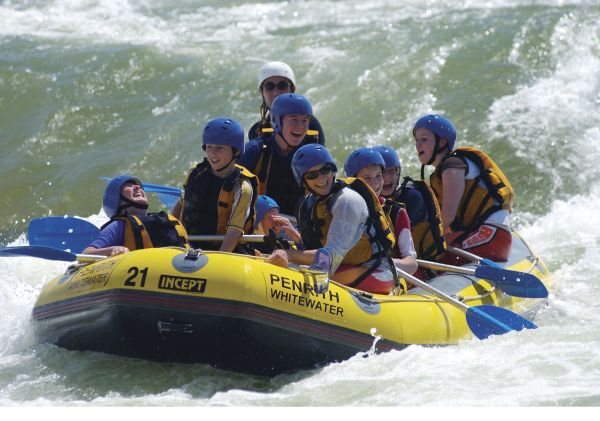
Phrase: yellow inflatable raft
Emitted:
{"points": [[240, 313]]}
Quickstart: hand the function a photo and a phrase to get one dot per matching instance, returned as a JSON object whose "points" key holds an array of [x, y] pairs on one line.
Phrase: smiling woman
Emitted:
{"points": [[130, 226], [342, 221]]}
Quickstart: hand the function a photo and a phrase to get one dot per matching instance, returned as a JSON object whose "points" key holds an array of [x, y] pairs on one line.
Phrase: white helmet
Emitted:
{"points": [[275, 68]]}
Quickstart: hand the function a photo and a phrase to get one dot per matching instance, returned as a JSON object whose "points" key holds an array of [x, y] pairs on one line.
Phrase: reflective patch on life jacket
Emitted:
{"points": [[483, 235]]}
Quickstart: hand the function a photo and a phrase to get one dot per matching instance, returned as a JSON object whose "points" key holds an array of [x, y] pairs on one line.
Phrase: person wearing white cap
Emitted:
{"points": [[276, 78]]}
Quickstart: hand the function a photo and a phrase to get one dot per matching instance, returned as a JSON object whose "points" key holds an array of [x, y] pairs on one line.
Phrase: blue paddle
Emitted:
{"points": [[168, 200], [65, 233], [48, 253], [517, 284], [483, 320]]}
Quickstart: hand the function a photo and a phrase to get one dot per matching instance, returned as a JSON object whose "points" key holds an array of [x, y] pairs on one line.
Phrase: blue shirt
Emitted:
{"points": [[111, 235]]}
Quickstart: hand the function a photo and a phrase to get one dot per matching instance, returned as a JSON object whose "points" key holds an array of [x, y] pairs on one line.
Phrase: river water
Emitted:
{"points": [[92, 88]]}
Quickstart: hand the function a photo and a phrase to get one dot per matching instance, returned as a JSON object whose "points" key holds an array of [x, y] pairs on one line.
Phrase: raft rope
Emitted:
{"points": [[357, 292]]}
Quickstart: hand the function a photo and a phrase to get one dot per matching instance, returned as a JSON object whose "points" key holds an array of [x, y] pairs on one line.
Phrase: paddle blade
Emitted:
{"points": [[42, 252], [489, 263], [487, 320], [64, 233], [154, 188], [517, 284], [168, 200]]}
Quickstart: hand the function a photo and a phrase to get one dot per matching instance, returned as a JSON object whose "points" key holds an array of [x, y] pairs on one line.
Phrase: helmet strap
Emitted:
{"points": [[290, 148], [126, 203], [233, 158], [436, 150]]}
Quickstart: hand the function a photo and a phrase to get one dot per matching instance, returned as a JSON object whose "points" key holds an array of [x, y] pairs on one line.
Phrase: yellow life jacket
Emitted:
{"points": [[314, 219], [153, 230], [477, 202], [428, 236]]}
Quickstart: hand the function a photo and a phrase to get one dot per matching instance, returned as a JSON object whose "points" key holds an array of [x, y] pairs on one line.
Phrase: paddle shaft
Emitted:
{"points": [[449, 268], [49, 253], [434, 291], [244, 239], [89, 258], [470, 256], [517, 284]]}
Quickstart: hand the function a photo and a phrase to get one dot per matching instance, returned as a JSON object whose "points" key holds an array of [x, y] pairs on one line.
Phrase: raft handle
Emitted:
{"points": [[193, 254], [170, 327]]}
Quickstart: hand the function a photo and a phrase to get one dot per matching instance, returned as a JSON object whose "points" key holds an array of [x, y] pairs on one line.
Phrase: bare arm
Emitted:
{"points": [[453, 181], [176, 211], [281, 257], [106, 251], [408, 264], [232, 236]]}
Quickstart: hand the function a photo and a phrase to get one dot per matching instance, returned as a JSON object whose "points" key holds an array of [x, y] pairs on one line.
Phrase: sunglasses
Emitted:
{"points": [[324, 170], [282, 85]]}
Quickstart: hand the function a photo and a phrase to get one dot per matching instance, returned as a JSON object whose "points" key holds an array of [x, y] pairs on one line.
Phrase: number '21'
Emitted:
{"points": [[135, 271]]}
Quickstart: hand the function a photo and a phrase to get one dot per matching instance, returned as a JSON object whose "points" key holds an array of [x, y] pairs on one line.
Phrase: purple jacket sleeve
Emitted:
{"points": [[112, 235]]}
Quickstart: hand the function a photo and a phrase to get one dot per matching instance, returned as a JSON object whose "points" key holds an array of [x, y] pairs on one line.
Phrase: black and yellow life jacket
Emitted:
{"points": [[153, 230], [428, 235], [289, 187], [314, 219], [477, 202], [194, 212]]}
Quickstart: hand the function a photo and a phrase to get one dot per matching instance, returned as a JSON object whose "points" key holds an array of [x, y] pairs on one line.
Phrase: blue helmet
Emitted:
{"points": [[263, 204], [307, 157], [224, 131], [440, 126], [286, 104], [111, 200], [360, 158], [389, 155]]}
